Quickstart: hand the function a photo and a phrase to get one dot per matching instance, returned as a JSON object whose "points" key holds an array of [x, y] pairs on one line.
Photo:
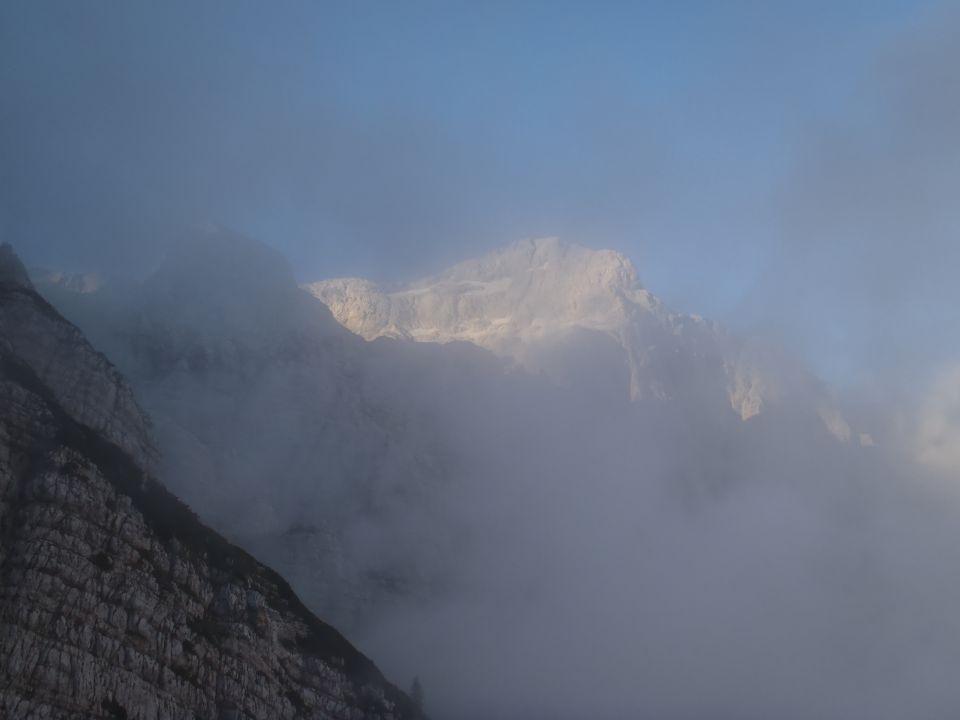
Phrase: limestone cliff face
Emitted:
{"points": [[115, 601], [548, 304], [541, 303]]}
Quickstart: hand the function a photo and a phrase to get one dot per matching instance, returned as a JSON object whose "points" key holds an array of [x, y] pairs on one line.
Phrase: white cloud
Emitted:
{"points": [[938, 426]]}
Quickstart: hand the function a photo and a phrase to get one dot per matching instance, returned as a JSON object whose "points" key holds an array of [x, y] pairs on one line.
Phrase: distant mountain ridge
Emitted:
{"points": [[535, 301]]}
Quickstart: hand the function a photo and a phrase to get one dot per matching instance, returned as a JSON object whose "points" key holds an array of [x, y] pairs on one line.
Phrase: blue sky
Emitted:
{"points": [[390, 139]]}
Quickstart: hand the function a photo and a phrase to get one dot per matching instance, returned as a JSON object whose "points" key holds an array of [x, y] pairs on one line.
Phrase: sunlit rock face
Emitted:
{"points": [[551, 306], [115, 601], [525, 291], [536, 301]]}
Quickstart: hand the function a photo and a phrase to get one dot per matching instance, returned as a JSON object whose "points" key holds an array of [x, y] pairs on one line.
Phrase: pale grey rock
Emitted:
{"points": [[539, 300], [550, 306]]}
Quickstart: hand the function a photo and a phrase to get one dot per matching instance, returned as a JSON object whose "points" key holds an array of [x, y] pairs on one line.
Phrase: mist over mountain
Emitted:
{"points": [[561, 309], [572, 360], [534, 471], [116, 602]]}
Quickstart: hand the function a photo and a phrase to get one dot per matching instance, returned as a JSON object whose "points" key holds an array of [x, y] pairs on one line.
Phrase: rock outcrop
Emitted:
{"points": [[549, 305], [540, 301], [115, 601], [521, 293]]}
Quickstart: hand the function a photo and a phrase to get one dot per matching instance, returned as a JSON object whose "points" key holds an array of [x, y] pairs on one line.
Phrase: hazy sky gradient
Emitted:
{"points": [[735, 151]]}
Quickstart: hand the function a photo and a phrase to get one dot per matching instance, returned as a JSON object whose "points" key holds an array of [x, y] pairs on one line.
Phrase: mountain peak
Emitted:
{"points": [[12, 271], [222, 260], [530, 288], [554, 261], [559, 308], [222, 288]]}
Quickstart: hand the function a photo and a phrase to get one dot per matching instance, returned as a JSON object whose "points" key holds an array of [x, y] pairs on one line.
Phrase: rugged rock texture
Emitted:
{"points": [[84, 381], [524, 300], [555, 307], [525, 290], [281, 429], [115, 601]]}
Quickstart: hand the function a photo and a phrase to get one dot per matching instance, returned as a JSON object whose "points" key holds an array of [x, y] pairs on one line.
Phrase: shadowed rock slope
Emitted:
{"points": [[115, 601]]}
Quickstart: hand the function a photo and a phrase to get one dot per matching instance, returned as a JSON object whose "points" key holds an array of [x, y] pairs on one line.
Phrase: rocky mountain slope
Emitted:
{"points": [[582, 317], [421, 493], [115, 601], [313, 449], [346, 463]]}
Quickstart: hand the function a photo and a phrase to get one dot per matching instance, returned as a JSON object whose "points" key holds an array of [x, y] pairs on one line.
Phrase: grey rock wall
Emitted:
{"points": [[115, 601]]}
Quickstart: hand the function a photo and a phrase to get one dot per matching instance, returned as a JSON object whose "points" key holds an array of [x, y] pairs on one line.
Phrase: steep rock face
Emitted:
{"points": [[536, 300], [115, 601], [89, 387], [528, 289], [282, 429], [545, 303]]}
